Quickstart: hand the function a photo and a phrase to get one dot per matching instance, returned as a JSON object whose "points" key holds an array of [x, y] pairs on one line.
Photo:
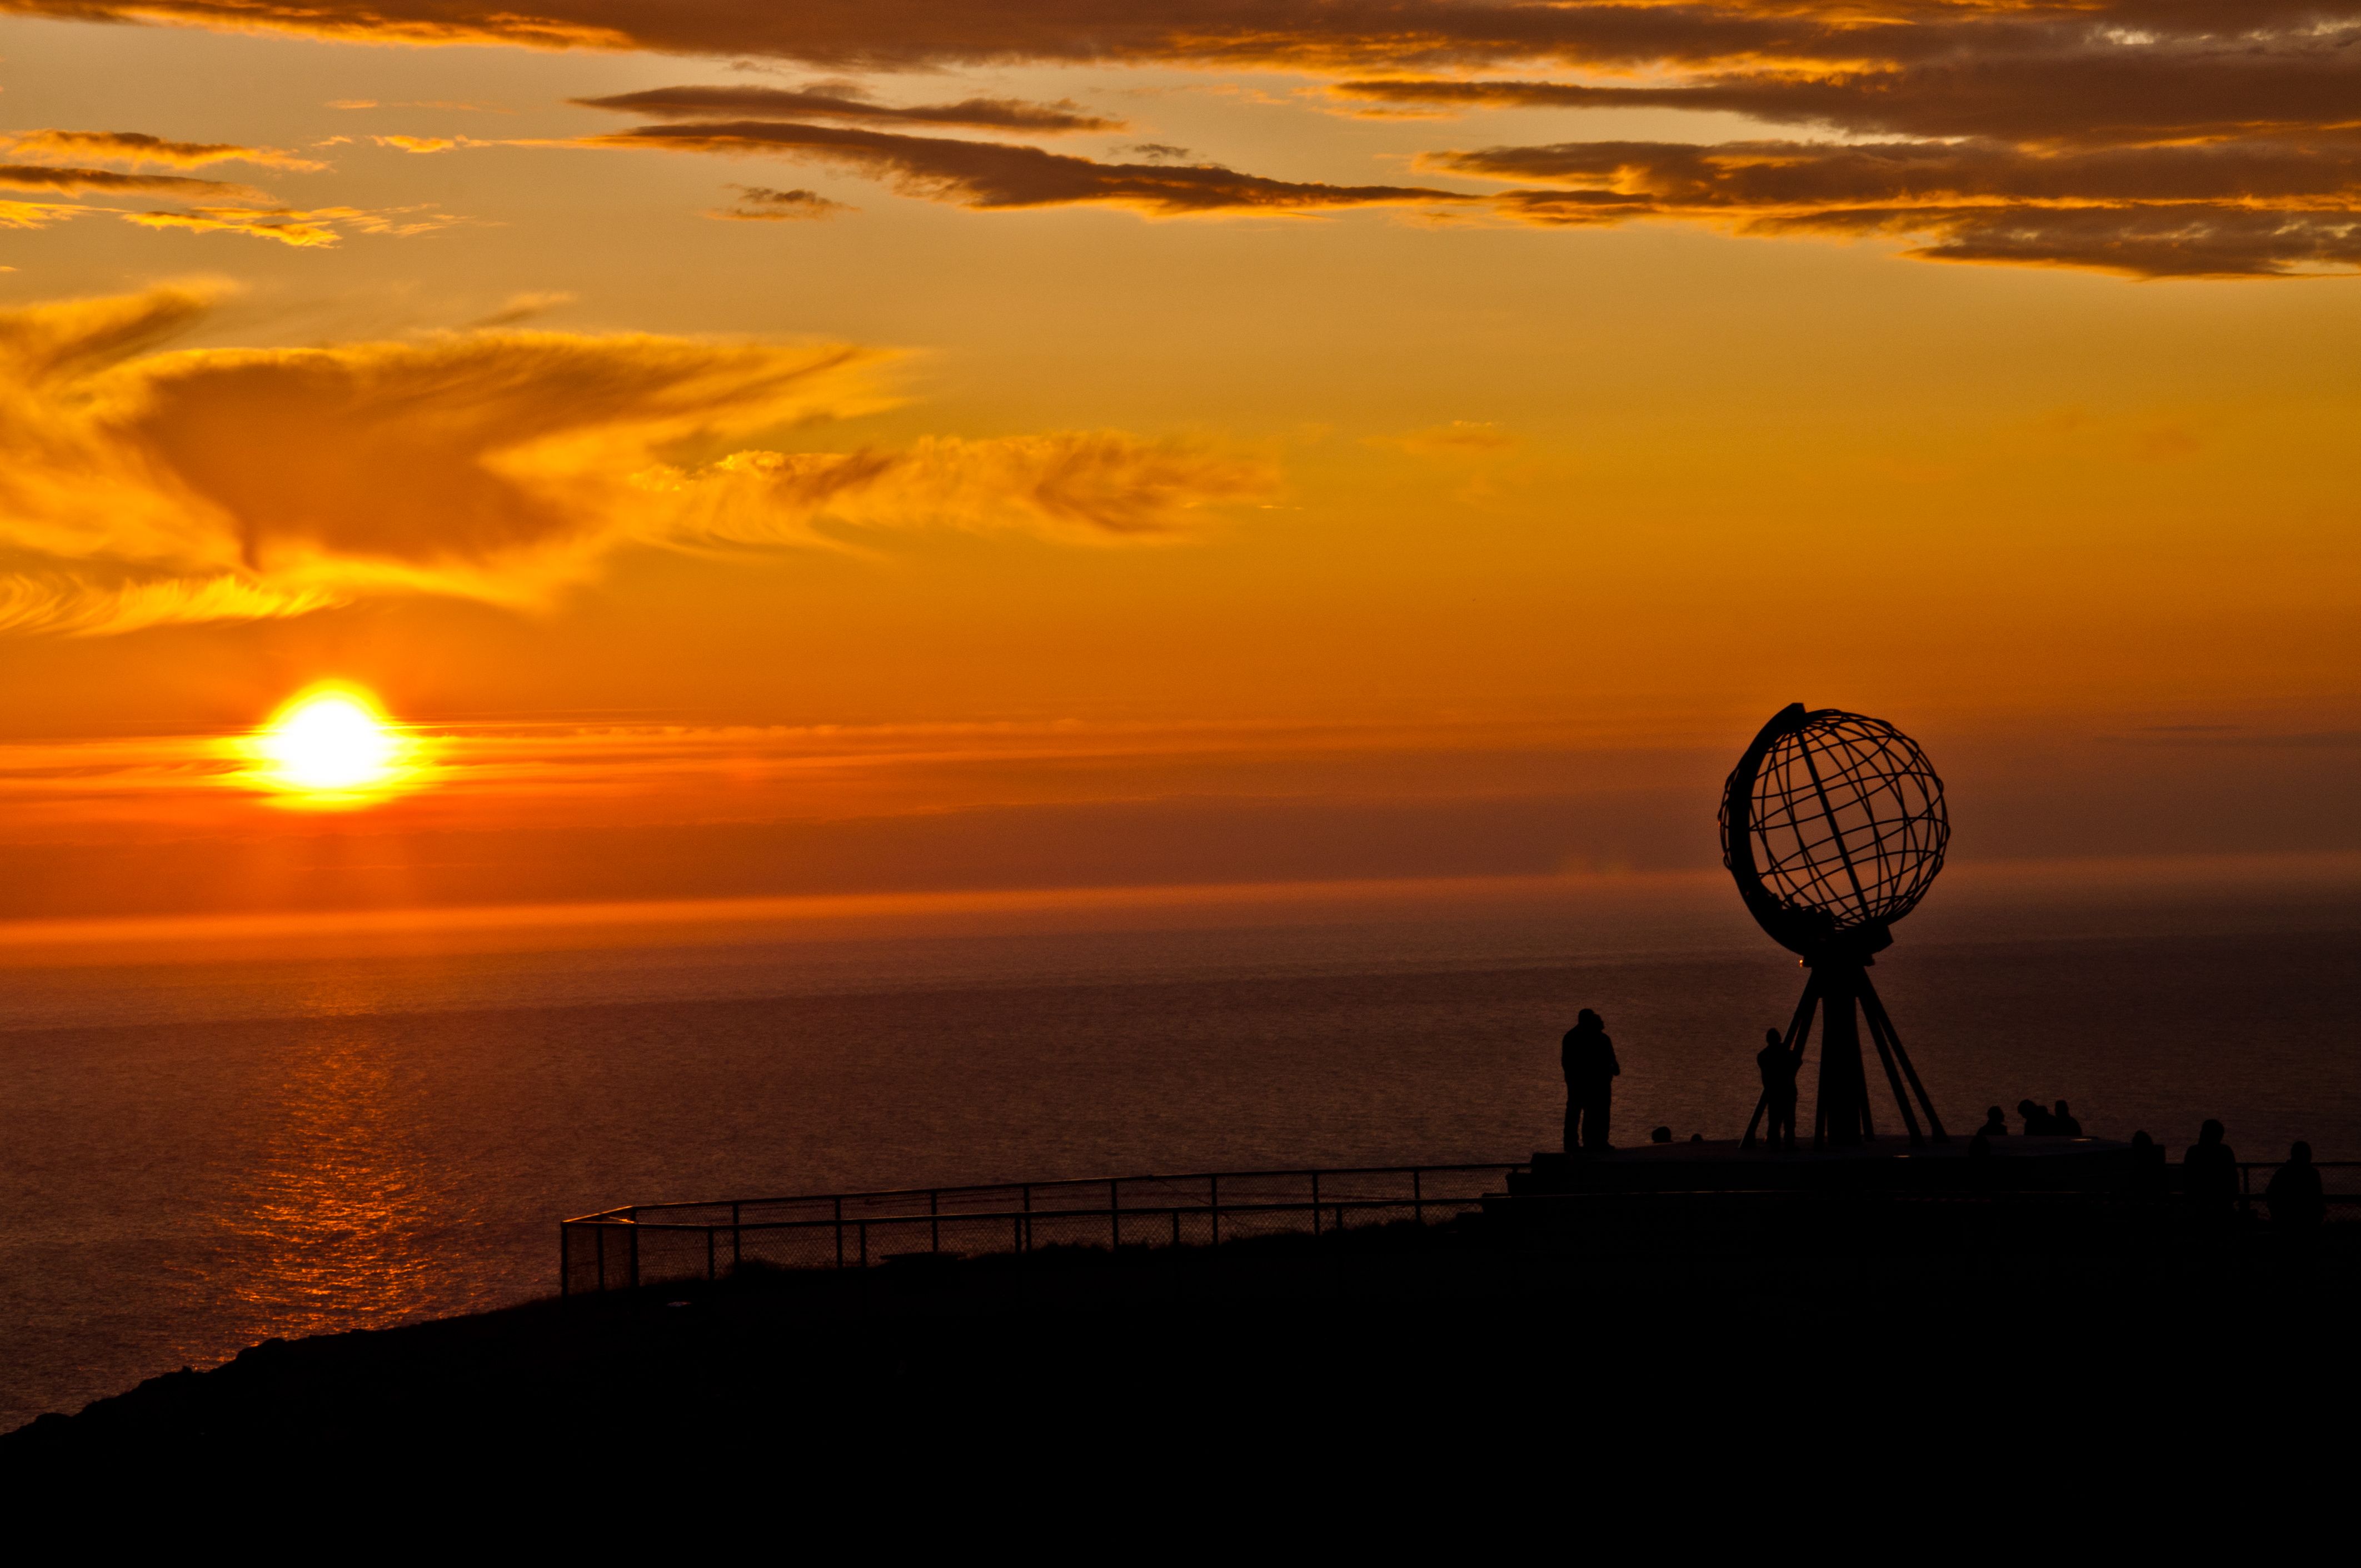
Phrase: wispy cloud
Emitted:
{"points": [[1462, 438], [759, 204], [837, 101], [139, 487], [138, 146], [64, 604], [524, 307], [313, 227], [51, 176], [997, 175], [2204, 208]]}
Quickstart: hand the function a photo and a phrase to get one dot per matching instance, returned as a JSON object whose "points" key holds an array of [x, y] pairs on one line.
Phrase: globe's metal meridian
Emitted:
{"points": [[1833, 826]]}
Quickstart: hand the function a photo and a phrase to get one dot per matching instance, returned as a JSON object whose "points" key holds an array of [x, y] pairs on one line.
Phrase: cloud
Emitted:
{"points": [[2032, 85], [316, 227], [833, 101], [49, 176], [524, 307], [419, 144], [140, 486], [997, 175], [903, 34], [2222, 209], [1092, 487], [63, 605], [138, 146], [2270, 88], [759, 204], [418, 103], [1461, 438]]}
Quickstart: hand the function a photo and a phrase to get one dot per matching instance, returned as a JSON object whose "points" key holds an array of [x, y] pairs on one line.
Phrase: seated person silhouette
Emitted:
{"points": [[2295, 1197], [2208, 1172], [2063, 1122], [1778, 1069], [1587, 1057], [1661, 1135], [1996, 1125], [2036, 1121], [2147, 1166]]}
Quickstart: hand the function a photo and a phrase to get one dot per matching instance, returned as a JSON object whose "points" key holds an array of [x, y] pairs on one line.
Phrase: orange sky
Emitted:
{"points": [[916, 447]]}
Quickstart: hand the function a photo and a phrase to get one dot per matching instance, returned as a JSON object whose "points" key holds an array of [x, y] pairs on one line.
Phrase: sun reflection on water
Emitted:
{"points": [[332, 1234]]}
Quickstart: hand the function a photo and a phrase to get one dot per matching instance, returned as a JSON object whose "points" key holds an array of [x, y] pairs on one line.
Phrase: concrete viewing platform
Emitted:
{"points": [[1890, 1165]]}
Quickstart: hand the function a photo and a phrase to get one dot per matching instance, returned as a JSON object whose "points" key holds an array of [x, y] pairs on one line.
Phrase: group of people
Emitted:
{"points": [[2209, 1168], [2208, 1172], [2056, 1122]]}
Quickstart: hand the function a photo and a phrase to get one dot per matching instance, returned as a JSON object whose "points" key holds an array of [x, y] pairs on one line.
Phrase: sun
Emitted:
{"points": [[331, 746]]}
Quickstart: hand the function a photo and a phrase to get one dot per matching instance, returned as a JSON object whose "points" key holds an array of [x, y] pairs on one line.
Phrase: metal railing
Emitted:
{"points": [[2246, 1167], [644, 1242]]}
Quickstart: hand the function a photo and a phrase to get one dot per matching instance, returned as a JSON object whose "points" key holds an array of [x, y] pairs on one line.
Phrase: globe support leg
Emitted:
{"points": [[1842, 1120], [1885, 1060], [1872, 1006]]}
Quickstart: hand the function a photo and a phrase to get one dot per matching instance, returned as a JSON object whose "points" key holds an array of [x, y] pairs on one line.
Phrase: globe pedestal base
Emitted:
{"points": [[1840, 993]]}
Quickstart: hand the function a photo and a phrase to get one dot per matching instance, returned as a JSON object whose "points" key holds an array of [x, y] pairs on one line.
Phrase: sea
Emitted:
{"points": [[201, 1150]]}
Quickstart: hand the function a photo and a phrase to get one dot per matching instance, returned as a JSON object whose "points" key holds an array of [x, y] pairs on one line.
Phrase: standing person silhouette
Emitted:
{"points": [[1587, 1056], [2209, 1171], [1778, 1069], [2297, 1202]]}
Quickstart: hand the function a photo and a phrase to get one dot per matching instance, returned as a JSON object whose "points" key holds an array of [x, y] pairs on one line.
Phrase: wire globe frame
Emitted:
{"points": [[1846, 825]]}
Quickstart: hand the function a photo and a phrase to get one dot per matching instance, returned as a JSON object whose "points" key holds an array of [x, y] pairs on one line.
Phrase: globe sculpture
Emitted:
{"points": [[1833, 826]]}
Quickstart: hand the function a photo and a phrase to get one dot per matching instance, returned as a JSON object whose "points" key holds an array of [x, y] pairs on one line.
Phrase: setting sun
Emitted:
{"points": [[330, 747]]}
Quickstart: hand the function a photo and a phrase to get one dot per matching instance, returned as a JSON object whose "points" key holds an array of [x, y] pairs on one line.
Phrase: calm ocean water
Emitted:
{"points": [[196, 1156]]}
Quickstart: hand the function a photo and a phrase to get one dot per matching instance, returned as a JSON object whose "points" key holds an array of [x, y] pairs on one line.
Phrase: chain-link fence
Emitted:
{"points": [[646, 1243]]}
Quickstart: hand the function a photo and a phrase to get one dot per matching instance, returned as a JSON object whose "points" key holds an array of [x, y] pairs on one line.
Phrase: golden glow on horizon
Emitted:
{"points": [[332, 749]]}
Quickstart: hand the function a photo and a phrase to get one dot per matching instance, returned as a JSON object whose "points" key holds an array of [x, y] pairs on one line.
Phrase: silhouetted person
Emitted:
{"points": [[2294, 1194], [2147, 1166], [2063, 1122], [1661, 1135], [1778, 1068], [2209, 1171], [1996, 1125], [2037, 1120], [1588, 1059]]}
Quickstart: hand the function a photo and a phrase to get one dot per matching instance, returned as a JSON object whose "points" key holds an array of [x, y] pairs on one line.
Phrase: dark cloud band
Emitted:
{"points": [[992, 175]]}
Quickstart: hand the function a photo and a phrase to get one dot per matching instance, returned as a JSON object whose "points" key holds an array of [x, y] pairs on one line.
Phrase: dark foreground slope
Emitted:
{"points": [[1407, 1346]]}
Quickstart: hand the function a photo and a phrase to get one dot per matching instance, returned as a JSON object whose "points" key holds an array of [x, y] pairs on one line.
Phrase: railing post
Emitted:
{"points": [[1315, 1203], [840, 1232], [709, 1255], [1114, 1215], [1214, 1204], [636, 1254], [864, 1245], [1417, 1200], [737, 1242], [934, 1224], [1027, 1220], [1176, 1228], [564, 1261], [601, 1232]]}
